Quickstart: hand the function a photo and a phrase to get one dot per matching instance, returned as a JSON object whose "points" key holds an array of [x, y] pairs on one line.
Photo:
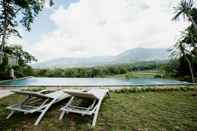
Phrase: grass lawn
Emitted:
{"points": [[142, 111], [139, 74]]}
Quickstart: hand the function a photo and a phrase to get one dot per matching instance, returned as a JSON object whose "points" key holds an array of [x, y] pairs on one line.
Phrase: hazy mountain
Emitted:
{"points": [[144, 54], [129, 56]]}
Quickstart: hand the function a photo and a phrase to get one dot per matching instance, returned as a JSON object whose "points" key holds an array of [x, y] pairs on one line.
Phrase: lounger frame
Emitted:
{"points": [[33, 98], [93, 109]]}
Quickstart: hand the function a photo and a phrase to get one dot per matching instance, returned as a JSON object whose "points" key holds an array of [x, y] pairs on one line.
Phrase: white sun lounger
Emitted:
{"points": [[36, 102], [96, 95]]}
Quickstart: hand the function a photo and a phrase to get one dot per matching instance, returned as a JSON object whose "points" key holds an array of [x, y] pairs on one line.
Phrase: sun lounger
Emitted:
{"points": [[36, 102], [96, 95]]}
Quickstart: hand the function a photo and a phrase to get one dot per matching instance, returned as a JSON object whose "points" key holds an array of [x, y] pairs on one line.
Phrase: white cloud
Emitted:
{"points": [[108, 27]]}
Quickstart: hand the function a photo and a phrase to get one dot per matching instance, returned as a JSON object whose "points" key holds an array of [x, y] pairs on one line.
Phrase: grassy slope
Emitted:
{"points": [[164, 110], [139, 74]]}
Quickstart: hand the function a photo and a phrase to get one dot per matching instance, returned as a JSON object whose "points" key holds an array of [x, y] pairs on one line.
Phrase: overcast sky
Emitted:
{"points": [[88, 28]]}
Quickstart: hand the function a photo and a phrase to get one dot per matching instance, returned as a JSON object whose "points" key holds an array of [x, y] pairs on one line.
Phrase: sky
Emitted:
{"points": [[86, 28]]}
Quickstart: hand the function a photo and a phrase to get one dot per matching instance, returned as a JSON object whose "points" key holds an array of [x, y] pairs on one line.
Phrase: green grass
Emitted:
{"points": [[140, 74], [123, 111]]}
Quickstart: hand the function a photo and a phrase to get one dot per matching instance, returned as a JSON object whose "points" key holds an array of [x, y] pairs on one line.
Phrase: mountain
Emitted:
{"points": [[144, 54], [129, 56]]}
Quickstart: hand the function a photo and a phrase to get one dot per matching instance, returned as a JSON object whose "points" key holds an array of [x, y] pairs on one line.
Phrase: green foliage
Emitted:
{"points": [[183, 9], [15, 12], [24, 57], [179, 68], [22, 68], [156, 89], [185, 49], [35, 89], [129, 75], [170, 69]]}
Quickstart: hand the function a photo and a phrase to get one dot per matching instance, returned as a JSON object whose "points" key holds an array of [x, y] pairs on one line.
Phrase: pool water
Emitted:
{"points": [[44, 81]]}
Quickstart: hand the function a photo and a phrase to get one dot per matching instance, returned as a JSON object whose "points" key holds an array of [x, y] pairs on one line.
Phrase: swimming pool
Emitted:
{"points": [[45, 81]]}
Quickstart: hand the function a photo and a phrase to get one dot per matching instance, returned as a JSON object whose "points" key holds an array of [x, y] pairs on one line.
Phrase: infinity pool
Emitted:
{"points": [[44, 81]]}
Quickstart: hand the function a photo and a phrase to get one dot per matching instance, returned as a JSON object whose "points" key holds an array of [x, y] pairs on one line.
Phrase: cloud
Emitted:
{"points": [[108, 27]]}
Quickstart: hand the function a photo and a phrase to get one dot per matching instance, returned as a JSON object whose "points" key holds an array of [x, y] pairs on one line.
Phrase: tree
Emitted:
{"points": [[185, 10], [22, 68], [15, 12], [187, 43], [182, 49], [24, 57]]}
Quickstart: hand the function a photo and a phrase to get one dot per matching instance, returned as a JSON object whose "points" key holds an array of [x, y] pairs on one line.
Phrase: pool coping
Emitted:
{"points": [[5, 92], [2, 81], [133, 85]]}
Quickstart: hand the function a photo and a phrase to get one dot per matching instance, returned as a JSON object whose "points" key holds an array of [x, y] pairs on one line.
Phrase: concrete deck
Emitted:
{"points": [[5, 92]]}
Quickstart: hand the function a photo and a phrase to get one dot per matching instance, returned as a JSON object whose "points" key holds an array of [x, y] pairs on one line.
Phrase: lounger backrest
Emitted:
{"points": [[98, 93], [92, 93], [81, 94], [57, 95], [30, 93]]}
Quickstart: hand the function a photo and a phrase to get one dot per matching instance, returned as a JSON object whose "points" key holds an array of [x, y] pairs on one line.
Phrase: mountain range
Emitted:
{"points": [[129, 56]]}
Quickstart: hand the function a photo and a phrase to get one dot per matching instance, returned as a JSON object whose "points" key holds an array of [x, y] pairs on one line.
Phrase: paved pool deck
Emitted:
{"points": [[5, 92]]}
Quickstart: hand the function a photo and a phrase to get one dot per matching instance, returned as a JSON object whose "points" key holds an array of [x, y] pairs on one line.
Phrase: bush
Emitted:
{"points": [[157, 76], [129, 75], [156, 88]]}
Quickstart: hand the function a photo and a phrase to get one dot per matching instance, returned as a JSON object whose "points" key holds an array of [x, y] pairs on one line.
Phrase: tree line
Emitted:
{"points": [[99, 71]]}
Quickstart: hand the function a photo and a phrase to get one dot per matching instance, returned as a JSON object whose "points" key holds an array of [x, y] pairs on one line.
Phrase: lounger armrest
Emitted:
{"points": [[42, 91]]}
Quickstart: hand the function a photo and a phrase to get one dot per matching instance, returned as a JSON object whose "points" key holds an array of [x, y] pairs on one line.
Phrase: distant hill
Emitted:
{"points": [[129, 56], [143, 54]]}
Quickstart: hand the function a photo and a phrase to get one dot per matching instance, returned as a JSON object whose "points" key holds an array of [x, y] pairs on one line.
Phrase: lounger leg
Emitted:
{"points": [[11, 113], [39, 118], [108, 94], [43, 112], [96, 113], [62, 115], [63, 112]]}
